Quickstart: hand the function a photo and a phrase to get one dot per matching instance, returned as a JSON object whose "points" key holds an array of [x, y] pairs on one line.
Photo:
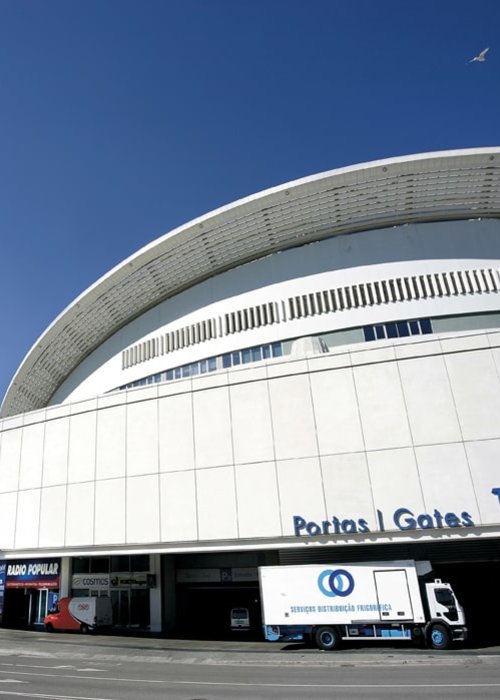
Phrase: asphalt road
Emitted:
{"points": [[68, 667]]}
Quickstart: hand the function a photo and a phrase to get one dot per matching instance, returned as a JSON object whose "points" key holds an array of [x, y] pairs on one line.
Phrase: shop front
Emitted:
{"points": [[31, 589], [127, 580]]}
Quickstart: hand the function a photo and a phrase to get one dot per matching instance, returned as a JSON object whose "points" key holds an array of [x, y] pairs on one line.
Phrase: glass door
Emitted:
{"points": [[38, 606], [121, 607]]}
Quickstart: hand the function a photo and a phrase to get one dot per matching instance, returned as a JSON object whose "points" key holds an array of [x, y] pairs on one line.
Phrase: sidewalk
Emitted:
{"points": [[101, 648]]}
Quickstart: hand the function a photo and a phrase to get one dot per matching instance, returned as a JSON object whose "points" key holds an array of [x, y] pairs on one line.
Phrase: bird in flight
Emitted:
{"points": [[480, 57]]}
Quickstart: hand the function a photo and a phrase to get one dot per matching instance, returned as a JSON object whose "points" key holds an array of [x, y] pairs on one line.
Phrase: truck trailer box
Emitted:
{"points": [[83, 614], [312, 594]]}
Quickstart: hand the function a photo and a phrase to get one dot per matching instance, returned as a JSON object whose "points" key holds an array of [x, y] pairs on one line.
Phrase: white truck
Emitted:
{"points": [[326, 604]]}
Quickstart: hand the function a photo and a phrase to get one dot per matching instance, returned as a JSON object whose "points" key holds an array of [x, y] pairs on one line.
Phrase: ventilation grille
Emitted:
{"points": [[429, 286], [253, 317]]}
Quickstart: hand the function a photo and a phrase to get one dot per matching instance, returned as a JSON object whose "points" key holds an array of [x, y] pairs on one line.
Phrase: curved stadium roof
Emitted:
{"points": [[438, 186]]}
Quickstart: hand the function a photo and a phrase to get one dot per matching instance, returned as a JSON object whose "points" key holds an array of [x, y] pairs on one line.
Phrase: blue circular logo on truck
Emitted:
{"points": [[333, 582]]}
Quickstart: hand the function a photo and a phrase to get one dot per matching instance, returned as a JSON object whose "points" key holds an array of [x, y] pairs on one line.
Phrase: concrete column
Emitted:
{"points": [[168, 592], [155, 594], [65, 577]]}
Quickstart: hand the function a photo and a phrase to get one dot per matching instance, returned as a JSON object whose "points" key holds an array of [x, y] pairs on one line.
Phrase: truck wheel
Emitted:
{"points": [[327, 638], [84, 629], [439, 637]]}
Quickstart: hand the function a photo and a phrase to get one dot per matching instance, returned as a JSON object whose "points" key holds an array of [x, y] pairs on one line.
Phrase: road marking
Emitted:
{"points": [[55, 668], [95, 678], [49, 696], [11, 680], [255, 685]]}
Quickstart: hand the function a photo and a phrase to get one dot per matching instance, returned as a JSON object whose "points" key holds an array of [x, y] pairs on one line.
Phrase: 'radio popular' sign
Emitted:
{"points": [[41, 573]]}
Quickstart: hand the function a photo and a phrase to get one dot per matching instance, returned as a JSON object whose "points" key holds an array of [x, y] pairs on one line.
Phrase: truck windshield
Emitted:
{"points": [[444, 596]]}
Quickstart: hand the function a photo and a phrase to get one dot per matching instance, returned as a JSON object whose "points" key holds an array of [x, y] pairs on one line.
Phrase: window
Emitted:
{"points": [[403, 330], [139, 562], [99, 565], [397, 329], [246, 356], [444, 596], [391, 330], [81, 565], [369, 333], [425, 326], [120, 563]]}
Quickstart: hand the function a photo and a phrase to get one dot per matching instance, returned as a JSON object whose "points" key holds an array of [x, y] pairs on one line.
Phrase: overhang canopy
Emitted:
{"points": [[438, 186]]}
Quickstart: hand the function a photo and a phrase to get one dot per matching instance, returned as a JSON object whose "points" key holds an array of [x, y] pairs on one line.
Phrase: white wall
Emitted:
{"points": [[235, 455]]}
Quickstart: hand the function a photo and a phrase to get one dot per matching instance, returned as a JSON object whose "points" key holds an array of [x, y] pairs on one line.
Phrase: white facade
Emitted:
{"points": [[227, 460], [346, 440]]}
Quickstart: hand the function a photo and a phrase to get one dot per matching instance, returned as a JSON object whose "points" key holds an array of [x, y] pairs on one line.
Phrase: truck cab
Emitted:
{"points": [[446, 615]]}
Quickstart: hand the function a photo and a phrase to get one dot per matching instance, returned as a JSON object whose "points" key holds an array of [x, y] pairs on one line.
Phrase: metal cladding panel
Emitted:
{"points": [[477, 550]]}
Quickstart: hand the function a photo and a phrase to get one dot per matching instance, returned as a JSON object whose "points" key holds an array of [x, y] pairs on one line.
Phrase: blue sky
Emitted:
{"points": [[121, 119]]}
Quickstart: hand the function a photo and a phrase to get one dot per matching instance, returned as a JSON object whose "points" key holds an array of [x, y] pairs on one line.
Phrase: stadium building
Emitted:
{"points": [[309, 374]]}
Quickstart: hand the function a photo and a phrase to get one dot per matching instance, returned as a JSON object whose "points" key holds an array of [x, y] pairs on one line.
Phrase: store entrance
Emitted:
{"points": [[38, 606], [24, 607], [130, 608], [16, 607], [204, 611]]}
